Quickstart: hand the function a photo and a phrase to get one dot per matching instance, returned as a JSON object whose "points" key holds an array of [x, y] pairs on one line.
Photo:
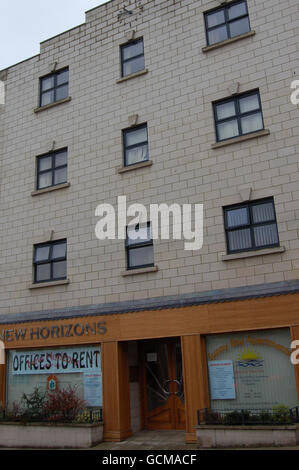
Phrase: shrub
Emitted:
{"points": [[236, 417], [31, 405], [13, 414], [266, 417], [63, 405], [213, 417], [281, 414]]}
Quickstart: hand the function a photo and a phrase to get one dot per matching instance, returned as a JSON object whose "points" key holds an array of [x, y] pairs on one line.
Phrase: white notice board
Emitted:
{"points": [[222, 382]]}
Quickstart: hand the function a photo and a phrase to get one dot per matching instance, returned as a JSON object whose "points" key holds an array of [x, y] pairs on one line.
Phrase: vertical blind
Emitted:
{"points": [[251, 225]]}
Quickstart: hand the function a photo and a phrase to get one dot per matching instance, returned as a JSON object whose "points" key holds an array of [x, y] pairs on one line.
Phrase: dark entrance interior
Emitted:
{"points": [[162, 384]]}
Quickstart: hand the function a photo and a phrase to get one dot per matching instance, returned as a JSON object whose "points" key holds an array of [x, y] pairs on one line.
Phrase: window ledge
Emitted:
{"points": [[249, 254], [241, 138], [124, 169], [49, 284], [228, 41], [50, 189], [131, 272], [132, 75], [51, 105]]}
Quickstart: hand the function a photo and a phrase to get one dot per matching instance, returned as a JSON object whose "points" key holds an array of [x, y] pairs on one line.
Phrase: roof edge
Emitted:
{"points": [[157, 303]]}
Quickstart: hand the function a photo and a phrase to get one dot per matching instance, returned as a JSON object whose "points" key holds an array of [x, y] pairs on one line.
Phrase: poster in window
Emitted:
{"points": [[222, 382], [93, 389]]}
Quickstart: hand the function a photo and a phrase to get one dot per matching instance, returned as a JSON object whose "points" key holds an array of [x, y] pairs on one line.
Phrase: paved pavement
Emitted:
{"points": [[161, 440], [150, 440]]}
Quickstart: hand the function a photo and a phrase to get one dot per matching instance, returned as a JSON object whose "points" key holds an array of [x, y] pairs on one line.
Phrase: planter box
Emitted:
{"points": [[48, 435], [209, 436]]}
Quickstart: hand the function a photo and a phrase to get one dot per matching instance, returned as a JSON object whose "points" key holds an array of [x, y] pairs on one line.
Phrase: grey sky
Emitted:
{"points": [[25, 23]]}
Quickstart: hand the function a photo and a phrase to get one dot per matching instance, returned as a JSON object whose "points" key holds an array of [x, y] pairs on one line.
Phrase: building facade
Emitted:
{"points": [[176, 102]]}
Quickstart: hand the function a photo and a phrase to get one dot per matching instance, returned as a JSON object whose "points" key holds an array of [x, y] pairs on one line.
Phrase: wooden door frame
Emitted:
{"points": [[142, 381]]}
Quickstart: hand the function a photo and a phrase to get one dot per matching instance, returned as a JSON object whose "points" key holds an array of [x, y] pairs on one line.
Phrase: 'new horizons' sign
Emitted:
{"points": [[56, 331]]}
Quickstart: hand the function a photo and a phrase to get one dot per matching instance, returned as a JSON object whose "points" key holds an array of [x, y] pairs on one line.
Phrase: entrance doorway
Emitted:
{"points": [[162, 384]]}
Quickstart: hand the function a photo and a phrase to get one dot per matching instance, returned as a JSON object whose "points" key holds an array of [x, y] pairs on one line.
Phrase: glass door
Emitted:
{"points": [[163, 384]]}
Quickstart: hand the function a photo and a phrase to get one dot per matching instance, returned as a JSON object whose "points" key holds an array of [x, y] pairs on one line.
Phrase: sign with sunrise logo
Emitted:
{"points": [[249, 357]]}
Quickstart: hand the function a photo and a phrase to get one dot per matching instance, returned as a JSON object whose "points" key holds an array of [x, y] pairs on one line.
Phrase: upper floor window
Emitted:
{"points": [[135, 141], [227, 22], [54, 87], [238, 115], [50, 261], [52, 169], [132, 57], [139, 246], [251, 226]]}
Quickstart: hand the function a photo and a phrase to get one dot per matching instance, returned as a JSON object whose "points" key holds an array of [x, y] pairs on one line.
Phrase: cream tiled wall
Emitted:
{"points": [[174, 98]]}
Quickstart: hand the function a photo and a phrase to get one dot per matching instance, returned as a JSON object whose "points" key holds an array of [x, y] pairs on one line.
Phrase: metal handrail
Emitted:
{"points": [[248, 416]]}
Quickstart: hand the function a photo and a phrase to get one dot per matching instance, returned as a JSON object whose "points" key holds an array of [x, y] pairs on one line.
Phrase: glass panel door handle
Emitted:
{"points": [[165, 383], [179, 386], [167, 392]]}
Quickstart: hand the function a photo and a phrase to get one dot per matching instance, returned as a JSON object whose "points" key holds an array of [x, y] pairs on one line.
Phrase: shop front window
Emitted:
{"points": [[251, 370], [78, 367]]}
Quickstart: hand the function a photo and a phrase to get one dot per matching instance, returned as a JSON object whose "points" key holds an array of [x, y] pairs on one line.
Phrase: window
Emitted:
{"points": [[135, 145], [251, 226], [50, 261], [139, 246], [54, 87], [132, 57], [30, 368], [227, 22], [238, 116], [52, 169], [250, 370]]}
